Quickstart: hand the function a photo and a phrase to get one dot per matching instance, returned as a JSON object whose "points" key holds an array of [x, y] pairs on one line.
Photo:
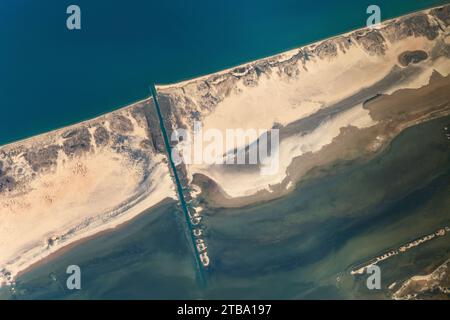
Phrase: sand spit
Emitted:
{"points": [[361, 269], [74, 182], [317, 96]]}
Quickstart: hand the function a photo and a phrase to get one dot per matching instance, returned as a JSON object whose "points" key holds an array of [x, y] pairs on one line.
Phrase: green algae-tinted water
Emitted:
{"points": [[51, 77], [295, 247]]}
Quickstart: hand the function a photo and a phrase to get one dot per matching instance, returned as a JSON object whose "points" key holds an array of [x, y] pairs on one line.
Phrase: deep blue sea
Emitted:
{"points": [[51, 77]]}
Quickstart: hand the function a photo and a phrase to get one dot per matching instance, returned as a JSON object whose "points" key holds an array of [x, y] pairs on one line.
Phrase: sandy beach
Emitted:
{"points": [[75, 182]]}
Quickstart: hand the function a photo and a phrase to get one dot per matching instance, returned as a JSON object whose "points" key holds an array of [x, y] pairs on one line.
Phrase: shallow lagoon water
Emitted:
{"points": [[294, 247], [147, 258]]}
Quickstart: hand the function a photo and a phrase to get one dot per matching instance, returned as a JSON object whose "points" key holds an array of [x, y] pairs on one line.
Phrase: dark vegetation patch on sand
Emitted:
{"points": [[443, 14], [78, 141], [372, 41], [42, 158], [101, 136], [408, 57], [7, 183], [121, 124]]}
